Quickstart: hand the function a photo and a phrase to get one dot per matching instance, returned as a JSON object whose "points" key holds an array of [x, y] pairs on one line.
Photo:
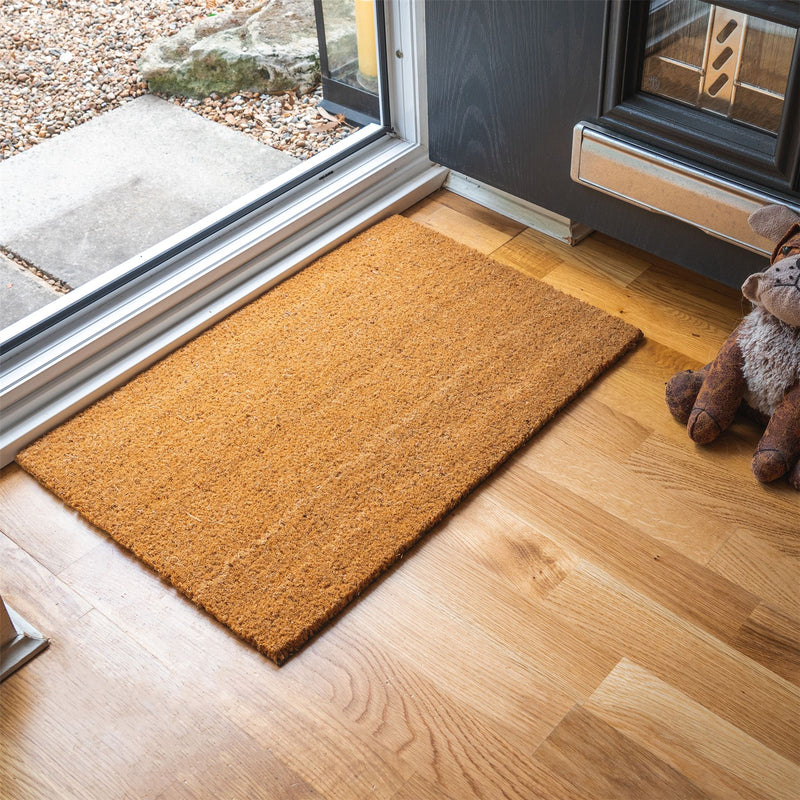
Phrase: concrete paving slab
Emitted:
{"points": [[109, 226], [21, 292], [78, 204]]}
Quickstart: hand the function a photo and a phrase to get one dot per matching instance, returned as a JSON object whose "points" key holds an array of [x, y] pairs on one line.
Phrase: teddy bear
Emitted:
{"points": [[758, 367]]}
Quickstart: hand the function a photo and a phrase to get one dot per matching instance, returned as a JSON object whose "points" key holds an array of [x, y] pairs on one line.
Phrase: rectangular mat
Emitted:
{"points": [[277, 464]]}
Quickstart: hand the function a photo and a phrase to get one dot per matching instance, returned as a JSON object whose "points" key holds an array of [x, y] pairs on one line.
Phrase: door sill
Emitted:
{"points": [[66, 367]]}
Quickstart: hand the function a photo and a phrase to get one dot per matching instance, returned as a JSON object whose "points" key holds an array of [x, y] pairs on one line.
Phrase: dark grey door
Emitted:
{"points": [[509, 80]]}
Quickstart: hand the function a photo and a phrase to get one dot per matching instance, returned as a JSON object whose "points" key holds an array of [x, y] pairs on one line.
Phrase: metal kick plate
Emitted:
{"points": [[658, 183]]}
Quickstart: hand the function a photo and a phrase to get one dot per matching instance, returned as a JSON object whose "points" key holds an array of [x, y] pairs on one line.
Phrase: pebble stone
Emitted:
{"points": [[63, 62], [56, 284]]}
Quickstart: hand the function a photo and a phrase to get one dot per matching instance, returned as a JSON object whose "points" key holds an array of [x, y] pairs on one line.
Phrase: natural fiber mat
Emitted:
{"points": [[277, 464]]}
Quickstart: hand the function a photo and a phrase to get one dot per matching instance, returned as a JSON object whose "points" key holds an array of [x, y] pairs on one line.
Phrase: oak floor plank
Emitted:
{"points": [[419, 789], [35, 520], [525, 253], [470, 230], [665, 287], [323, 751], [25, 581], [716, 480], [73, 720], [241, 768], [604, 764], [761, 568], [568, 659], [466, 752], [477, 212], [425, 711], [661, 286], [638, 391], [783, 540], [501, 547], [595, 254], [723, 680], [647, 565], [718, 757], [772, 638], [603, 477], [544, 784]]}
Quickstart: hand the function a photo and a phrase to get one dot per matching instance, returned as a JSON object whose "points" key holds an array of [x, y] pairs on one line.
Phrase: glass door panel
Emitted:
{"points": [[233, 112], [722, 61], [349, 58]]}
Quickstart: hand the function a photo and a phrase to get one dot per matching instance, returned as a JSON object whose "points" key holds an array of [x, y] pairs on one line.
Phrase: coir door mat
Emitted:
{"points": [[277, 464]]}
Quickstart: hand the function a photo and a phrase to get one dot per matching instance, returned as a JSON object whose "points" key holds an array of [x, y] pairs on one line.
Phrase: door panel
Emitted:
{"points": [[508, 82], [709, 84]]}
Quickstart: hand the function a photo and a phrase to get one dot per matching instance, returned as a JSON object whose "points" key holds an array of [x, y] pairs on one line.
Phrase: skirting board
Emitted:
{"points": [[536, 217]]}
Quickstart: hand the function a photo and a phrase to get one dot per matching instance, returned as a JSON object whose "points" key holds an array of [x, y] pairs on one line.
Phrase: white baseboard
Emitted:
{"points": [[533, 216]]}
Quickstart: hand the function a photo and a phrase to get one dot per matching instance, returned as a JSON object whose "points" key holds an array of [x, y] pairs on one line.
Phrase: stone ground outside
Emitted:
{"points": [[66, 62], [63, 62]]}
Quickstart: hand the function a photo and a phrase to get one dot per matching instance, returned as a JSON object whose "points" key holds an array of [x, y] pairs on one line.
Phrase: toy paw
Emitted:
{"points": [[682, 390], [769, 465], [794, 477], [702, 426]]}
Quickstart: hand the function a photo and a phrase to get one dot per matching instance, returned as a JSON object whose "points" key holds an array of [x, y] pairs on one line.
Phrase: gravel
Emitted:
{"points": [[63, 62], [56, 284]]}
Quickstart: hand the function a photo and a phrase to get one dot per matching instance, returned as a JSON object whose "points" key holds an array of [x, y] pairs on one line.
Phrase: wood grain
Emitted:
{"points": [[77, 724], [242, 767], [717, 756], [604, 764], [705, 478], [714, 674], [484, 216], [49, 545], [604, 476], [761, 567], [612, 614], [718, 605], [772, 637], [486, 233]]}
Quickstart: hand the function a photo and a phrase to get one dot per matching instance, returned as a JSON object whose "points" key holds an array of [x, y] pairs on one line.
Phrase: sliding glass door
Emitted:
{"points": [[114, 164]]}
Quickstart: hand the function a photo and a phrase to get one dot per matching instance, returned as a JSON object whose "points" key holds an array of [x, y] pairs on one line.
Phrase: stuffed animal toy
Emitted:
{"points": [[758, 367]]}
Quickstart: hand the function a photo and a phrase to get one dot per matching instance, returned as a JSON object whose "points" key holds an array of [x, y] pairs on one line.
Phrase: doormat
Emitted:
{"points": [[276, 465]]}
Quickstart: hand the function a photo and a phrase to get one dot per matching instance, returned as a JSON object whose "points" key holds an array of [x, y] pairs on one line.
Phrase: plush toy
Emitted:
{"points": [[758, 367]]}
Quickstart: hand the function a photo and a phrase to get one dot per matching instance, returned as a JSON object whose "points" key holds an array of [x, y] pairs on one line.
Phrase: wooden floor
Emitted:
{"points": [[615, 614]]}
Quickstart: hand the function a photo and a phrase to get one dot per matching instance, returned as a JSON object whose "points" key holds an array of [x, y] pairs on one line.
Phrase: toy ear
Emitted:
{"points": [[773, 221], [750, 287]]}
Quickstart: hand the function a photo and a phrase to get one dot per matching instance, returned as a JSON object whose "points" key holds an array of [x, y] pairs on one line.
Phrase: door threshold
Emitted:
{"points": [[65, 367]]}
